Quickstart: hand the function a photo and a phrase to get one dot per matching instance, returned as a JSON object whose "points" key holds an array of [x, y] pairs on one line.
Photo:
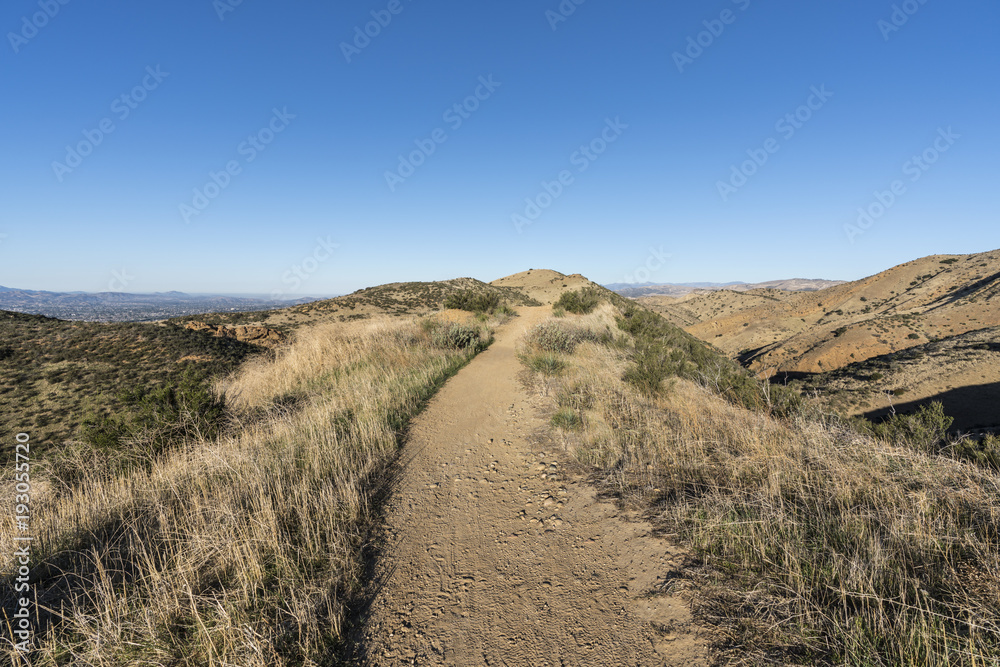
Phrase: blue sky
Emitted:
{"points": [[643, 110]]}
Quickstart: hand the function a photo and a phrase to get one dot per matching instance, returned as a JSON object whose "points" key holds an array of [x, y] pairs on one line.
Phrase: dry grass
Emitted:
{"points": [[241, 551], [813, 544]]}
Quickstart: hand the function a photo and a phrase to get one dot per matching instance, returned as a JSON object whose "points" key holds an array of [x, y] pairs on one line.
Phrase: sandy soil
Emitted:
{"points": [[497, 553]]}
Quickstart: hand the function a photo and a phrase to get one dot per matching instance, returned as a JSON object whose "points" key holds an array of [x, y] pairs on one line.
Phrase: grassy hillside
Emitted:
{"points": [[813, 542], [393, 299], [243, 548], [56, 375]]}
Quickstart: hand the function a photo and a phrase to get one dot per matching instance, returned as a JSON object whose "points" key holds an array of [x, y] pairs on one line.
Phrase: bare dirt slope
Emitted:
{"points": [[962, 372], [704, 305], [905, 306], [496, 554]]}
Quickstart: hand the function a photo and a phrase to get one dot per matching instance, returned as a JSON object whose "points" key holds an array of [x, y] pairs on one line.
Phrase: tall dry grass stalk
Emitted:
{"points": [[240, 551], [816, 545]]}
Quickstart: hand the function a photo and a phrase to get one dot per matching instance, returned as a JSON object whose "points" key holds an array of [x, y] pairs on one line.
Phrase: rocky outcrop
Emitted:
{"points": [[247, 333]]}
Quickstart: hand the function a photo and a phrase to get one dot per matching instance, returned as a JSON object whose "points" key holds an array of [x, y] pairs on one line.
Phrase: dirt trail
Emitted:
{"points": [[495, 556]]}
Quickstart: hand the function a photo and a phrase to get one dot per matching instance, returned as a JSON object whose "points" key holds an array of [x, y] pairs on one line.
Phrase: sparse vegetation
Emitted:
{"points": [[452, 335], [473, 301], [814, 544], [55, 374], [243, 549], [566, 419], [581, 301]]}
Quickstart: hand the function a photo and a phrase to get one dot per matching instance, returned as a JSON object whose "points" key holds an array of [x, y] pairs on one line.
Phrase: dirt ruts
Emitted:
{"points": [[494, 555]]}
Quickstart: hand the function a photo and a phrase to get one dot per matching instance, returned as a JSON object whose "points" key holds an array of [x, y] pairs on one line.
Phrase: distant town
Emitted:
{"points": [[123, 307]]}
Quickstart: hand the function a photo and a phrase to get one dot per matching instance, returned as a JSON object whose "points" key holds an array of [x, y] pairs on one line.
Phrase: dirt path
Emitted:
{"points": [[495, 557]]}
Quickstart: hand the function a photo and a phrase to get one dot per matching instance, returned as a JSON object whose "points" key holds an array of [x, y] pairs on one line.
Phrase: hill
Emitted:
{"points": [[391, 496], [56, 377], [962, 372], [392, 299], [701, 305], [669, 289], [543, 285], [813, 332]]}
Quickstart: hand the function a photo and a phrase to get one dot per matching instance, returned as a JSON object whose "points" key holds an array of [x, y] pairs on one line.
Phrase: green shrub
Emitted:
{"points": [[566, 419], [459, 336], [984, 452], [558, 311], [913, 336], [559, 337], [155, 418], [546, 363], [581, 301], [473, 301], [663, 350], [926, 430]]}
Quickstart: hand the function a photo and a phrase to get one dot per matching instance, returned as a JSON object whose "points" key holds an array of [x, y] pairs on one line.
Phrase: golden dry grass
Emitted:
{"points": [[241, 551], [814, 544]]}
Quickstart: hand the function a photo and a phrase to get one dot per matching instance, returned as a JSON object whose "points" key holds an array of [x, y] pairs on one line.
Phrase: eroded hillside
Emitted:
{"points": [[908, 305]]}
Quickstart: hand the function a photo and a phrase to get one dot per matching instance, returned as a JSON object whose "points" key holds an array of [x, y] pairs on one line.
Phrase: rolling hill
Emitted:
{"points": [[917, 332]]}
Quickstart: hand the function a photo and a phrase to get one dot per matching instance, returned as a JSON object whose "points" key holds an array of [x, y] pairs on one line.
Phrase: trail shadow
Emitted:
{"points": [[378, 568]]}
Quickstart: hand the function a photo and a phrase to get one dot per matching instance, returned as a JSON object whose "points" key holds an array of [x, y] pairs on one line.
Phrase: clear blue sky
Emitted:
{"points": [[553, 85]]}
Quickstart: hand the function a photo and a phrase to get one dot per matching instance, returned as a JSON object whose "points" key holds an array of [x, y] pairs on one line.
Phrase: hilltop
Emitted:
{"points": [[544, 285], [392, 299]]}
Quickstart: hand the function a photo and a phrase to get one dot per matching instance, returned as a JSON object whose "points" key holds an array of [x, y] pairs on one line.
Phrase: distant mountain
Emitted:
{"points": [[634, 290], [125, 307]]}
